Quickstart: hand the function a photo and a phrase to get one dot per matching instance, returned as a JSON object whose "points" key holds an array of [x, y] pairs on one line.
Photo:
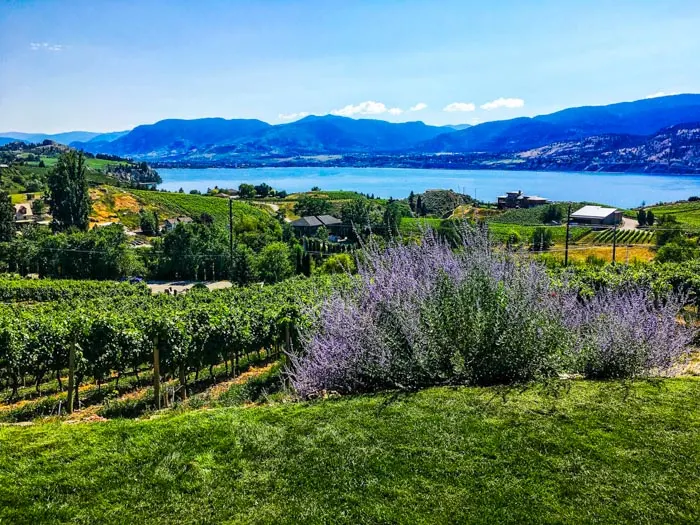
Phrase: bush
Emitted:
{"points": [[424, 314], [627, 334]]}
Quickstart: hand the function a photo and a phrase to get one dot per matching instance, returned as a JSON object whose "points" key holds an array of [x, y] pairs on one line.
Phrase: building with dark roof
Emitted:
{"points": [[310, 224], [516, 199]]}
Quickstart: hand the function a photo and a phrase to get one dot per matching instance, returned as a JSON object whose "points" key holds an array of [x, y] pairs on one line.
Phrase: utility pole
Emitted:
{"points": [[566, 250], [614, 243], [230, 232]]}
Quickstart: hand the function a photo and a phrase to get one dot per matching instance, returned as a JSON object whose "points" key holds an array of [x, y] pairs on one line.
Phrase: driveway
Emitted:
{"points": [[183, 286], [629, 224]]}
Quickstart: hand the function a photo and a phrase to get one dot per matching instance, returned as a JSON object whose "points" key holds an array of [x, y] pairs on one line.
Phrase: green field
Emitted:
{"points": [[417, 224], [684, 212], [621, 237], [602, 452], [502, 231], [177, 204]]}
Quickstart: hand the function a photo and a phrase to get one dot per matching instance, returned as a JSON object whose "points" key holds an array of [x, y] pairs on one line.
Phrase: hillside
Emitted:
{"points": [[601, 452], [28, 165], [674, 149], [641, 117]]}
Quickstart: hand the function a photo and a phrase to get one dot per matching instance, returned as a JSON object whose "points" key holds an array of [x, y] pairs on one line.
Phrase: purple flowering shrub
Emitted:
{"points": [[627, 333], [428, 314]]}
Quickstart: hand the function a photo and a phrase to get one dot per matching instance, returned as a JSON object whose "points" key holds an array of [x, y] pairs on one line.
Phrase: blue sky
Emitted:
{"points": [[105, 66]]}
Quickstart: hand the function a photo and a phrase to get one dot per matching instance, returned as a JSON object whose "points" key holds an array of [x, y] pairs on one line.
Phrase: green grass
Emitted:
{"points": [[684, 212], [600, 453], [413, 224]]}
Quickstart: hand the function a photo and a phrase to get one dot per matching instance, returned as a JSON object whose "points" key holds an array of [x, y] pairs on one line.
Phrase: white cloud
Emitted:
{"points": [[418, 107], [395, 111], [369, 107], [45, 46], [292, 116], [459, 106], [509, 103], [660, 94]]}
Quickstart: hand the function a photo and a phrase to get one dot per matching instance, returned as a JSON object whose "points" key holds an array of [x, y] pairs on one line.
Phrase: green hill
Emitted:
{"points": [[602, 452]]}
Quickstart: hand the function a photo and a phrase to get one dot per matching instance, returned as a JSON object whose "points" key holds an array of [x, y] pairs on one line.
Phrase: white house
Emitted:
{"points": [[23, 212]]}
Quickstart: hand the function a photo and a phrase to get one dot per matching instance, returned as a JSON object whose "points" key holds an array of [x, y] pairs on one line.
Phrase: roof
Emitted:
{"points": [[310, 221], [593, 212], [328, 220], [536, 198], [177, 219]]}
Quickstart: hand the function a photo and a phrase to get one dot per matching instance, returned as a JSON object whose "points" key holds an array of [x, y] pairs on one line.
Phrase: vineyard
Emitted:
{"points": [[115, 350], [621, 237], [16, 289]]}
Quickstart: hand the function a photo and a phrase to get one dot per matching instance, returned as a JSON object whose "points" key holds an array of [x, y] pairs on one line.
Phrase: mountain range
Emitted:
{"points": [[591, 135]]}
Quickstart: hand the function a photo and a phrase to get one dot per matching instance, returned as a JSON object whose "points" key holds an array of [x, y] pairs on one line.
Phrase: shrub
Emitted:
{"points": [[627, 334], [424, 314]]}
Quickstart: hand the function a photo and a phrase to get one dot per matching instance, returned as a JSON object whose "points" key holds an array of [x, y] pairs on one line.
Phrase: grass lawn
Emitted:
{"points": [[599, 453]]}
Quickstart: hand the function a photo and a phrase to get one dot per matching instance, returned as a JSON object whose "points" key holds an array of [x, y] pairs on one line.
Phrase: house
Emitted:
{"points": [[309, 225], [516, 199], [169, 224], [23, 212], [597, 216]]}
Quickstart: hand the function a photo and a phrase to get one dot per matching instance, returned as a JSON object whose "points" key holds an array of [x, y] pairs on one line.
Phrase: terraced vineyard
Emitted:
{"points": [[623, 237]]}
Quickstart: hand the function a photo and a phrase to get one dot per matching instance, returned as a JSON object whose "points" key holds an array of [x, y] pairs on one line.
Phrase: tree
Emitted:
{"points": [[263, 190], [357, 213], [274, 263], [38, 207], [392, 218], [7, 217], [246, 191], [680, 250], [312, 206], [338, 263], [541, 239], [148, 223], [650, 218], [552, 213], [315, 188], [68, 193], [322, 233], [642, 217], [419, 206], [412, 201], [243, 265]]}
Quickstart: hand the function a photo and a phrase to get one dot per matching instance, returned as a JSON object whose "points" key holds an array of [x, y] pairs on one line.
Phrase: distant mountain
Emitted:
{"points": [[578, 136], [642, 117], [673, 149], [330, 134], [62, 138], [458, 127], [175, 137], [9, 140]]}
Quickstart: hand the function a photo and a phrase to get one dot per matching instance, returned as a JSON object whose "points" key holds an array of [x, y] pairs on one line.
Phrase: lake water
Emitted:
{"points": [[623, 190]]}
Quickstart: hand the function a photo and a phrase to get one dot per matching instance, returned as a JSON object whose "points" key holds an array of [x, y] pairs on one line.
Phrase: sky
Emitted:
{"points": [[108, 66]]}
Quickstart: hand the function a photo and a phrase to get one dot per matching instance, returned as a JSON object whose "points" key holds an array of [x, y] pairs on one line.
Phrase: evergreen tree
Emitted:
{"points": [[642, 217], [412, 201], [68, 193], [419, 206], [7, 217], [650, 218]]}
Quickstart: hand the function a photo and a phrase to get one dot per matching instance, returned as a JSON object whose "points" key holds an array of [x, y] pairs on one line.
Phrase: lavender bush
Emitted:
{"points": [[428, 314], [628, 333]]}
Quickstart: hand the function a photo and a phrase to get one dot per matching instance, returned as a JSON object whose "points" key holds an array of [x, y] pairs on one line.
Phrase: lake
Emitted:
{"points": [[619, 189]]}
